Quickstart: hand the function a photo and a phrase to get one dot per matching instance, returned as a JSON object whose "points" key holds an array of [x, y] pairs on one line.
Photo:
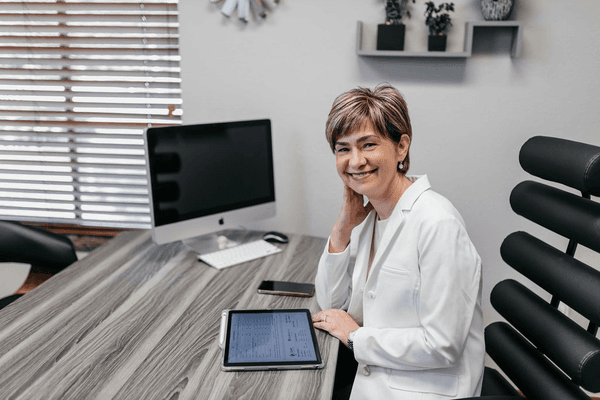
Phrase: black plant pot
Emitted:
{"points": [[436, 43], [390, 37]]}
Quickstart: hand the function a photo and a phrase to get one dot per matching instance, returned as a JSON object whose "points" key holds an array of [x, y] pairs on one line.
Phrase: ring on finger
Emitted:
{"points": [[325, 318]]}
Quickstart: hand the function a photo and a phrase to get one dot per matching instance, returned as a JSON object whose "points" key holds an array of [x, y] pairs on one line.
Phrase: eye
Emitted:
{"points": [[368, 145], [341, 150]]}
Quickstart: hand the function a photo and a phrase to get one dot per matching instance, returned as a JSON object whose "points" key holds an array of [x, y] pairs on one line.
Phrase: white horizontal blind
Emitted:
{"points": [[80, 81]]}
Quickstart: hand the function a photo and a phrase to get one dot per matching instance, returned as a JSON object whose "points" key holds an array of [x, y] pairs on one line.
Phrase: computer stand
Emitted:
{"points": [[221, 240]]}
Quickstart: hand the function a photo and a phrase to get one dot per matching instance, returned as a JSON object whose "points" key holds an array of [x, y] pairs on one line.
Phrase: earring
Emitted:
{"points": [[401, 165]]}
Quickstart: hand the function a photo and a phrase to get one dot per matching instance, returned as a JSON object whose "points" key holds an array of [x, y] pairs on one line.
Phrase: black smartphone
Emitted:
{"points": [[287, 288]]}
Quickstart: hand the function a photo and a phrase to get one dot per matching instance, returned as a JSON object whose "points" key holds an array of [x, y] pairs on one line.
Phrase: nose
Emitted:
{"points": [[357, 160]]}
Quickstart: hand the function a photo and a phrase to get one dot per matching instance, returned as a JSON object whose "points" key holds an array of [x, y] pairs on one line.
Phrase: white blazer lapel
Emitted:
{"points": [[363, 252], [420, 185], [389, 234], [360, 267]]}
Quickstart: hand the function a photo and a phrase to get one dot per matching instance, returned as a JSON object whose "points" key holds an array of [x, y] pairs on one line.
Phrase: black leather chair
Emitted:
{"points": [[543, 352], [47, 252]]}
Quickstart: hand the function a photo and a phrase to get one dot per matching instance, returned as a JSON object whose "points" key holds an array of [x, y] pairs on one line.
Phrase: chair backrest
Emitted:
{"points": [[544, 353], [44, 250]]}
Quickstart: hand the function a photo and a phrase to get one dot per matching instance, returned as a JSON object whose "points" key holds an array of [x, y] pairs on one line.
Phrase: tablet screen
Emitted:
{"points": [[274, 337]]}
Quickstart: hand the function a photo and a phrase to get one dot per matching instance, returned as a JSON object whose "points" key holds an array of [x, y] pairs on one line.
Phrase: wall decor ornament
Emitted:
{"points": [[390, 36], [496, 10], [260, 8]]}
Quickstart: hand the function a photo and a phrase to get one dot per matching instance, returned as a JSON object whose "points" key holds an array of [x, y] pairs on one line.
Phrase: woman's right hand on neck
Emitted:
{"points": [[353, 213]]}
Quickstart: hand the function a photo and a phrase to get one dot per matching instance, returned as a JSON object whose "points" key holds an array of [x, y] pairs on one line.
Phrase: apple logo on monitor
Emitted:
{"points": [[221, 221]]}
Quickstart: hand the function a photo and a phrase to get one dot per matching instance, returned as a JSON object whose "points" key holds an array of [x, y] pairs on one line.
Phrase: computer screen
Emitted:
{"points": [[209, 177]]}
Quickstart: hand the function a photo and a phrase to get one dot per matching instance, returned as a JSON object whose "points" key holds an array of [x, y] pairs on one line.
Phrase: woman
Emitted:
{"points": [[402, 265]]}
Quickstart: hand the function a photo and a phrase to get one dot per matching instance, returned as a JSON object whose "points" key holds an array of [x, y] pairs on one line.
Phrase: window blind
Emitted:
{"points": [[80, 81]]}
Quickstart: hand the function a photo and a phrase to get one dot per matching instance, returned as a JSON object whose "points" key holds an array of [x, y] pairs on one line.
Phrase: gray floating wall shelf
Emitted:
{"points": [[363, 49]]}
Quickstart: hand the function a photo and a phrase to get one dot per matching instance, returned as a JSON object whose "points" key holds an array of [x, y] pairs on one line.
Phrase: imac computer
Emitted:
{"points": [[209, 177]]}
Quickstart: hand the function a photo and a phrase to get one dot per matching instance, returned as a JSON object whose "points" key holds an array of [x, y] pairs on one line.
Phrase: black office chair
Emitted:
{"points": [[47, 252], [544, 353]]}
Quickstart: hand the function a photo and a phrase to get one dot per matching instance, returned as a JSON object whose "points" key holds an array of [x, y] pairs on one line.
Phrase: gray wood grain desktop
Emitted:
{"points": [[134, 320]]}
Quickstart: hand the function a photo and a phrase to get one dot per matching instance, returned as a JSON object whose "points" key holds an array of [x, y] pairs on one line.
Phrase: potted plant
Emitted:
{"points": [[390, 36], [438, 20]]}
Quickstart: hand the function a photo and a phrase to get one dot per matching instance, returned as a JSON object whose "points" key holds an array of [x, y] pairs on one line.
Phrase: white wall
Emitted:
{"points": [[469, 117]]}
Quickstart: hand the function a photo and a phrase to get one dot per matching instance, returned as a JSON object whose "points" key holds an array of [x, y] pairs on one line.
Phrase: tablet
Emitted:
{"points": [[270, 339]]}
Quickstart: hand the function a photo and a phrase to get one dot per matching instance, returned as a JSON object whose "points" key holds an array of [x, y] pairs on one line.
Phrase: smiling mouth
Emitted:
{"points": [[361, 175]]}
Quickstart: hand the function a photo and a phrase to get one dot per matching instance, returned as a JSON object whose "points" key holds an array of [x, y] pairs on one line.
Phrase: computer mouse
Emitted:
{"points": [[273, 236]]}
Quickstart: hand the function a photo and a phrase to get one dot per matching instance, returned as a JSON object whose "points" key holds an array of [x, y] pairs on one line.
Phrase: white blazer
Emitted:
{"points": [[421, 334]]}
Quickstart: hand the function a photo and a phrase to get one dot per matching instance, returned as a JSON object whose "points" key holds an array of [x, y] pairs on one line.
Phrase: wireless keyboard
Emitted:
{"points": [[239, 254]]}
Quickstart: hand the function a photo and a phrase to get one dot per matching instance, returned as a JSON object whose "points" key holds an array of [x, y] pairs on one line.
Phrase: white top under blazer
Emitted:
{"points": [[421, 334]]}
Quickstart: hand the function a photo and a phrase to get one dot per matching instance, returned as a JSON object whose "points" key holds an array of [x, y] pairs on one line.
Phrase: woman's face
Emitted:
{"points": [[367, 162]]}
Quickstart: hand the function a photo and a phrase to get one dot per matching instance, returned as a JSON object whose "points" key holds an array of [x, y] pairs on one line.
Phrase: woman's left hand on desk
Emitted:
{"points": [[337, 322]]}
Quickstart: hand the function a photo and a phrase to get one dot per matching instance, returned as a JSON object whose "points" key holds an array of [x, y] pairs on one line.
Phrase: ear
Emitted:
{"points": [[402, 147]]}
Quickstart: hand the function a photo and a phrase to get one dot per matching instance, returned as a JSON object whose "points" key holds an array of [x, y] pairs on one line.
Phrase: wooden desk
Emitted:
{"points": [[134, 320]]}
